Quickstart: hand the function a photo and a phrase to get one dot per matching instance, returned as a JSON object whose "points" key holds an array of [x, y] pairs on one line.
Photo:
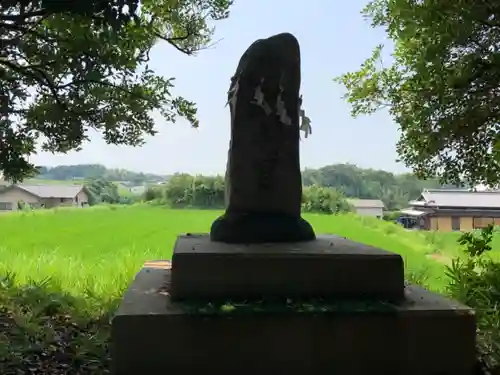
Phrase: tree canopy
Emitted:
{"points": [[442, 87], [70, 66], [395, 190]]}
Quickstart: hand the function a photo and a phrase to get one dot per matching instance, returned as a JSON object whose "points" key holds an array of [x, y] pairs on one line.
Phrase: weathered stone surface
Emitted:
{"points": [[263, 180], [330, 266], [425, 335]]}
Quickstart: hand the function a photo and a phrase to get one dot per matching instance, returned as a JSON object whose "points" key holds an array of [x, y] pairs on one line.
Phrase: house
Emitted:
{"points": [[42, 196], [368, 207], [455, 209]]}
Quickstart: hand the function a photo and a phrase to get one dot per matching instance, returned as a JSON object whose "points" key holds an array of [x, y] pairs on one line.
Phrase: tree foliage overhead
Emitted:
{"points": [[70, 66], [442, 88]]}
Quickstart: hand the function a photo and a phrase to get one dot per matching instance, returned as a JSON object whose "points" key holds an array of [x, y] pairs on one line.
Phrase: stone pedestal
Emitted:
{"points": [[329, 266], [424, 335]]}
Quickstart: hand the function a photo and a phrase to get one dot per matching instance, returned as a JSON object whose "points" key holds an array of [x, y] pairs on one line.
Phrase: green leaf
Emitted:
{"points": [[441, 87], [65, 70]]}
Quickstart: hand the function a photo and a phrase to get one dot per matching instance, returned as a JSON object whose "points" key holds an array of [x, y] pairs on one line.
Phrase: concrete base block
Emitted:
{"points": [[425, 335], [328, 266]]}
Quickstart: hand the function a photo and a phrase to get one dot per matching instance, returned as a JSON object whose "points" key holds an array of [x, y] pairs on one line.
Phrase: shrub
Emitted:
{"points": [[152, 193], [391, 215], [475, 281], [324, 200]]}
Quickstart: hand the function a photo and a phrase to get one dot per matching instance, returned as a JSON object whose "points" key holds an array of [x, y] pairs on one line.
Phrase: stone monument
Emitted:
{"points": [[263, 180], [261, 294]]}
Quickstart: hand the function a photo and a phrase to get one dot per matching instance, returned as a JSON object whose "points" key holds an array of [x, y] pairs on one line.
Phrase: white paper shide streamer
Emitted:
{"points": [[259, 100]]}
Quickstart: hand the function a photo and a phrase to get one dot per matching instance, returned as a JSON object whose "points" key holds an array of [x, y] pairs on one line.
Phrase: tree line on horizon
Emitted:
{"points": [[395, 190], [93, 171], [326, 189], [188, 191]]}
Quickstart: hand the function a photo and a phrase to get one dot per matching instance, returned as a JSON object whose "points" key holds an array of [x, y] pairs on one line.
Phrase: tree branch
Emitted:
{"points": [[45, 81]]}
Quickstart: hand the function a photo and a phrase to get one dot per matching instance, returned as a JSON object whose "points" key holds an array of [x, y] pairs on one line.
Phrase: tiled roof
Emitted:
{"points": [[458, 198], [366, 203], [52, 191]]}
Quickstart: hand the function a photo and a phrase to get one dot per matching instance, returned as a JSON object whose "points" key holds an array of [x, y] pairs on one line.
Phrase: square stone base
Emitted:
{"points": [[425, 335], [329, 266]]}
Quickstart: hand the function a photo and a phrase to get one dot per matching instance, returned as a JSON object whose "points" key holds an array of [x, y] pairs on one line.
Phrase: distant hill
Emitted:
{"points": [[89, 171]]}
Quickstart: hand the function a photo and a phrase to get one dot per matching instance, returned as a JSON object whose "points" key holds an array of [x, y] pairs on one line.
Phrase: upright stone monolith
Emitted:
{"points": [[263, 180]]}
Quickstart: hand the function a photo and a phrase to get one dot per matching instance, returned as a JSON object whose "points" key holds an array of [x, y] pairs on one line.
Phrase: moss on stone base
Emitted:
{"points": [[286, 306]]}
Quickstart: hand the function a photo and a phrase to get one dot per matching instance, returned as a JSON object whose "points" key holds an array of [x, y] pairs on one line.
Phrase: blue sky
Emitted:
{"points": [[334, 39]]}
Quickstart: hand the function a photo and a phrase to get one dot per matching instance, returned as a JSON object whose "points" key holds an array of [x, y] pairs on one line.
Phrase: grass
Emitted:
{"points": [[116, 241], [64, 271]]}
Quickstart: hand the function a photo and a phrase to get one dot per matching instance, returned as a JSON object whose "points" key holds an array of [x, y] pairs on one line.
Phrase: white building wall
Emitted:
{"points": [[369, 211]]}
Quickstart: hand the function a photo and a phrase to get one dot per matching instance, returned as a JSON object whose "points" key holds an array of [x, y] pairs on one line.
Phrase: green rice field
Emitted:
{"points": [[63, 272], [99, 250]]}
